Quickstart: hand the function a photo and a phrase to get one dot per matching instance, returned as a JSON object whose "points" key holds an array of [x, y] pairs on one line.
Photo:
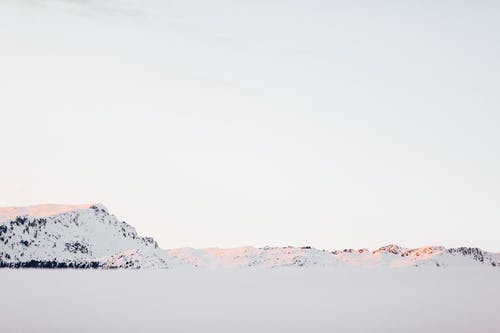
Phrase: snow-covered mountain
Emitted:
{"points": [[387, 256], [88, 236], [73, 236]]}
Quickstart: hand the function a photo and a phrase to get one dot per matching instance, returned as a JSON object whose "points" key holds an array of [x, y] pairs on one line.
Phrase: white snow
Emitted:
{"points": [[387, 256], [259, 290], [89, 233], [79, 233]]}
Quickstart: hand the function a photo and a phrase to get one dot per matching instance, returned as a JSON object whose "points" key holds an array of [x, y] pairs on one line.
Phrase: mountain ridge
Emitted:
{"points": [[88, 236], [83, 236]]}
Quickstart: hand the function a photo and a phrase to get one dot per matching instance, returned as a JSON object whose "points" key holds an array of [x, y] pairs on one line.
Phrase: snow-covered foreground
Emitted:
{"points": [[280, 300]]}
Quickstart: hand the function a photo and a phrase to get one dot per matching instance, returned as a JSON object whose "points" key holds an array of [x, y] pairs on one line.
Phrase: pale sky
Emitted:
{"points": [[280, 122]]}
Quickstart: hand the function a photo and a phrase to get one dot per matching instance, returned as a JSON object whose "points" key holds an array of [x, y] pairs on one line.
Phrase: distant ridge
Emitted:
{"points": [[386, 256], [88, 236]]}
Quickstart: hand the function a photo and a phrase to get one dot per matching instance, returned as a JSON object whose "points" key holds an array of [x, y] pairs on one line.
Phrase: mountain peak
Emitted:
{"points": [[43, 210], [391, 248], [88, 236], [83, 236]]}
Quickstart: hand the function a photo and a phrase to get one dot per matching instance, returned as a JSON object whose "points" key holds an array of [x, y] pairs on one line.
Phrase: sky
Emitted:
{"points": [[336, 124]]}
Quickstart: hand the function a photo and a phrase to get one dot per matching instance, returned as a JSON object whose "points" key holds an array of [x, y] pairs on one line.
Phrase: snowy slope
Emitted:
{"points": [[387, 256], [89, 236], [80, 235]]}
